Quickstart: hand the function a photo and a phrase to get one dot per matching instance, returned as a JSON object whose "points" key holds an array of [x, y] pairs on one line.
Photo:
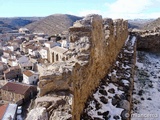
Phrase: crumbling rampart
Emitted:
{"points": [[149, 41], [94, 46]]}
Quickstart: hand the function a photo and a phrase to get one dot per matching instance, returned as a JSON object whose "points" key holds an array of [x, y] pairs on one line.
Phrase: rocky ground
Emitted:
{"points": [[53, 106], [146, 94], [112, 98]]}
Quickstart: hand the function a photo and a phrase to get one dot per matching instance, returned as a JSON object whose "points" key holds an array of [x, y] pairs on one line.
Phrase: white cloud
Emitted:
{"points": [[129, 6], [86, 12], [130, 9], [127, 9]]}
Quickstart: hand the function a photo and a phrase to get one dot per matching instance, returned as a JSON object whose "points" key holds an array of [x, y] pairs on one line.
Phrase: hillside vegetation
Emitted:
{"points": [[53, 24]]}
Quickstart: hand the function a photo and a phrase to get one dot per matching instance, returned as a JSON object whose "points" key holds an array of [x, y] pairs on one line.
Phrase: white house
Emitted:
{"points": [[4, 59], [5, 48], [44, 52], [64, 43], [33, 51], [30, 77], [51, 44], [7, 53], [12, 62], [26, 66], [12, 47], [24, 30], [6, 56], [22, 59], [58, 54], [40, 39], [15, 60]]}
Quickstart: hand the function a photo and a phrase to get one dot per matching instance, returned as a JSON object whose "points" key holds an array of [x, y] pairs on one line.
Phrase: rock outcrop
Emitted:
{"points": [[38, 113], [55, 106], [94, 46]]}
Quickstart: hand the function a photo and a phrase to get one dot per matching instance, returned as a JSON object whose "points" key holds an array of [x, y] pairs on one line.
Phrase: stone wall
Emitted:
{"points": [[149, 42], [107, 38], [94, 46], [113, 97]]}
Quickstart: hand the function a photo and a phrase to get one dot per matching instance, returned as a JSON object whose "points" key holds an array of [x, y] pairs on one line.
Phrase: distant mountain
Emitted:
{"points": [[139, 23], [17, 22], [8, 24], [53, 24], [5, 27], [153, 24]]}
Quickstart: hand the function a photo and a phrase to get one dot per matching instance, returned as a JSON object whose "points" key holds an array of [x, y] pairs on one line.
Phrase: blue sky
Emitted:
{"points": [[127, 9]]}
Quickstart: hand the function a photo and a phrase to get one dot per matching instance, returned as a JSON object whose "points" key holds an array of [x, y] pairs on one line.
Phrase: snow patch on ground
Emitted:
{"points": [[113, 110], [147, 86]]}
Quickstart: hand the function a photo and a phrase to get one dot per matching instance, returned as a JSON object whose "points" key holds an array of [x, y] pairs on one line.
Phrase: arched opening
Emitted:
{"points": [[53, 57], [57, 57], [63, 58]]}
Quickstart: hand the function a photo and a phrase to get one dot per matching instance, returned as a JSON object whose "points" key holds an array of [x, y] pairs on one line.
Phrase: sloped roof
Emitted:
{"points": [[59, 49], [10, 111], [11, 69], [26, 64], [28, 73], [15, 87], [3, 110], [44, 48]]}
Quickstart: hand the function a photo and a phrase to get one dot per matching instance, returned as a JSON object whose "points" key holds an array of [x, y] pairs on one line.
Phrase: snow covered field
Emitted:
{"points": [[146, 94]]}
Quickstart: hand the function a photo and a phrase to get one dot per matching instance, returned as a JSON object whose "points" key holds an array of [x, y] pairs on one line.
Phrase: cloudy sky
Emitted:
{"points": [[127, 9]]}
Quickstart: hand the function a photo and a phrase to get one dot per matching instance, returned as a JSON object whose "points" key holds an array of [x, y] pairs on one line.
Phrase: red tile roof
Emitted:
{"points": [[3, 110], [15, 87], [28, 73]]}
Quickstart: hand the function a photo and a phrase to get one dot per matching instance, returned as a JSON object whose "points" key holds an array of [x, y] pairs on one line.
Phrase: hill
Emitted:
{"points": [[5, 27], [139, 23], [7, 24], [153, 24], [53, 24]]}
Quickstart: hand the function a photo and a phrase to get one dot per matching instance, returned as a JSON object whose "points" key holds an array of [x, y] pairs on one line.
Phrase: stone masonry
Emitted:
{"points": [[113, 97], [94, 46], [149, 41]]}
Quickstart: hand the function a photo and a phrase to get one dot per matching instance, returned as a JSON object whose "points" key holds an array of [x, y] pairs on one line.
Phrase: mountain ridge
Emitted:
{"points": [[53, 24], [154, 24]]}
